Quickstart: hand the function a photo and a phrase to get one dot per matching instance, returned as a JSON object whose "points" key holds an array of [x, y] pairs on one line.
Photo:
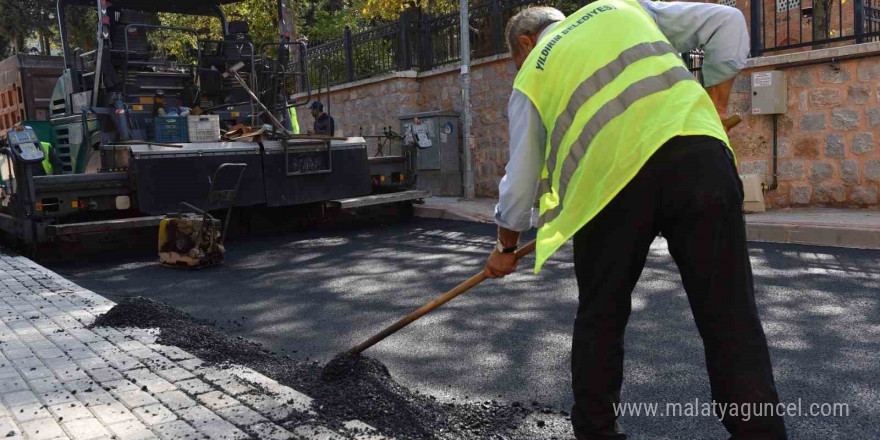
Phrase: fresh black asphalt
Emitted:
{"points": [[316, 293]]}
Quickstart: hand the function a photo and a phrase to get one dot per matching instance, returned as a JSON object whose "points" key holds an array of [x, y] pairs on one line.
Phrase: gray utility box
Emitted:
{"points": [[769, 93], [438, 160]]}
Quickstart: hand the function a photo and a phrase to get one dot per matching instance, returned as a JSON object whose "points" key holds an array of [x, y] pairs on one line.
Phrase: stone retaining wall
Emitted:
{"points": [[828, 141]]}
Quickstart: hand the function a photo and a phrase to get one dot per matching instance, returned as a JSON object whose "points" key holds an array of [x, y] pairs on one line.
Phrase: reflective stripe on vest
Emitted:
{"points": [[609, 111], [610, 90]]}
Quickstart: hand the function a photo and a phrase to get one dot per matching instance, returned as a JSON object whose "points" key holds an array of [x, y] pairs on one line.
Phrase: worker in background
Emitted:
{"points": [[324, 123], [619, 142]]}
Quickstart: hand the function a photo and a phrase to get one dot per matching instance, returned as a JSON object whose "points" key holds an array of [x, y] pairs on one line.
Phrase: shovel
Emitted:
{"points": [[436, 302]]}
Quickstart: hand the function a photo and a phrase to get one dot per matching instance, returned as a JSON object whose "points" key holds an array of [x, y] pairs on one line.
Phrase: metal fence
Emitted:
{"points": [[418, 42], [784, 25], [425, 42]]}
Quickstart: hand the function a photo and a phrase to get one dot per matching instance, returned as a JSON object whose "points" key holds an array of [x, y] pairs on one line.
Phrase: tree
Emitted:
{"points": [[19, 19], [391, 9]]}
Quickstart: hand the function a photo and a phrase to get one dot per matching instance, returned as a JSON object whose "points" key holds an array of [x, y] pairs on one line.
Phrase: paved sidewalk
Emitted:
{"points": [[60, 380], [848, 228]]}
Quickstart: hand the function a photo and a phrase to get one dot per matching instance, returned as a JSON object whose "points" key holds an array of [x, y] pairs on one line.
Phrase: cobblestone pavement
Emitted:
{"points": [[61, 380]]}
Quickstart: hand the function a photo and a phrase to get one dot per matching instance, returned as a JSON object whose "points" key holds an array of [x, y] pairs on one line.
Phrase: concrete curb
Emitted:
{"points": [[815, 234]]}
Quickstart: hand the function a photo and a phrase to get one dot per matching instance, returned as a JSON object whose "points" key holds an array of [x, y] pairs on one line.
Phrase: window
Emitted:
{"points": [[787, 5], [731, 3]]}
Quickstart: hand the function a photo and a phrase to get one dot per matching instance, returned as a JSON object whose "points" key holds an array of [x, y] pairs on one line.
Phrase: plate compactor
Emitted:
{"points": [[192, 238]]}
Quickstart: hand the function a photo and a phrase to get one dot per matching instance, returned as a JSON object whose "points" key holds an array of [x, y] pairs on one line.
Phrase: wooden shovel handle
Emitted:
{"points": [[436, 302]]}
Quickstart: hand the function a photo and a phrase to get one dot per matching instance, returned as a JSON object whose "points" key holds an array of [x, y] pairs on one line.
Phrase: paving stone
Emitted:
{"points": [[199, 416], [194, 386], [60, 363], [70, 374], [45, 384], [155, 414], [216, 400], [70, 411], [19, 398], [104, 375], [241, 415], [55, 397], [173, 353], [176, 374], [112, 413], [131, 346], [49, 353], [27, 362], [176, 430], [143, 377], [31, 411], [33, 373], [191, 364], [145, 336], [134, 399], [132, 430], [221, 430], [96, 397], [142, 353], [268, 406], [8, 426], [80, 353], [158, 362], [270, 431], [176, 400], [85, 429], [101, 346], [122, 361], [117, 387], [310, 432], [42, 429], [17, 353]]}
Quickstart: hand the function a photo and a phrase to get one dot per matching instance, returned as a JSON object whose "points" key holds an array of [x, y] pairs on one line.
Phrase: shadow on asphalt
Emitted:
{"points": [[316, 293]]}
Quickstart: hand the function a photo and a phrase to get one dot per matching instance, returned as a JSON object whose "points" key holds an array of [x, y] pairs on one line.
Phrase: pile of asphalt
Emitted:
{"points": [[351, 387]]}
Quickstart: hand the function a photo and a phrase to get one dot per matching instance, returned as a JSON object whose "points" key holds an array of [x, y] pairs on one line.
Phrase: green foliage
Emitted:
{"points": [[19, 19]]}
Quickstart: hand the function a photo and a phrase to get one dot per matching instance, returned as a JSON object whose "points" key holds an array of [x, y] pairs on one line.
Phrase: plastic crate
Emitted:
{"points": [[204, 128], [170, 129]]}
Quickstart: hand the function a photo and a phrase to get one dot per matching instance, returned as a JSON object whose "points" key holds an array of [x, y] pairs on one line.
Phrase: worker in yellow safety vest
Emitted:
{"points": [[619, 143], [294, 124], [50, 159]]}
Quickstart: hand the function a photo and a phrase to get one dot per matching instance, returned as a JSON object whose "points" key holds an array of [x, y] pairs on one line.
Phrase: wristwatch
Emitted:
{"points": [[504, 250]]}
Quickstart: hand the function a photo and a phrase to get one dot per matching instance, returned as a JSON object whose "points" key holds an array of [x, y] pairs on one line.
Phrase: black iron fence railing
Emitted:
{"points": [[781, 25], [419, 42], [424, 42]]}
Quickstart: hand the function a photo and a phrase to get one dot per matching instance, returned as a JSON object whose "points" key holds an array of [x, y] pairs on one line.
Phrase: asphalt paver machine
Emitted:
{"points": [[132, 154]]}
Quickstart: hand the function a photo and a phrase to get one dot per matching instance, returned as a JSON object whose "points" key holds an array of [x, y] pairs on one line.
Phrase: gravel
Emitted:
{"points": [[349, 387]]}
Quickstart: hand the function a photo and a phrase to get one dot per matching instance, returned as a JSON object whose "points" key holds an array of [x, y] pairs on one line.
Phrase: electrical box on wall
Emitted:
{"points": [[769, 93]]}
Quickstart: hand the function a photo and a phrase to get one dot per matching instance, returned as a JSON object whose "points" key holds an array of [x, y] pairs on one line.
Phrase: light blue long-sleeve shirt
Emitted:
{"points": [[719, 30]]}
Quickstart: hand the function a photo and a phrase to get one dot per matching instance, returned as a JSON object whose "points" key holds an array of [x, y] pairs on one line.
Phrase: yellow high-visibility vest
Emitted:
{"points": [[293, 122], [611, 91], [47, 163]]}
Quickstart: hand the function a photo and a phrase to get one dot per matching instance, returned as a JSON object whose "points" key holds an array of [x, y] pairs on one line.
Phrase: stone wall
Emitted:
{"points": [[377, 103], [828, 141]]}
